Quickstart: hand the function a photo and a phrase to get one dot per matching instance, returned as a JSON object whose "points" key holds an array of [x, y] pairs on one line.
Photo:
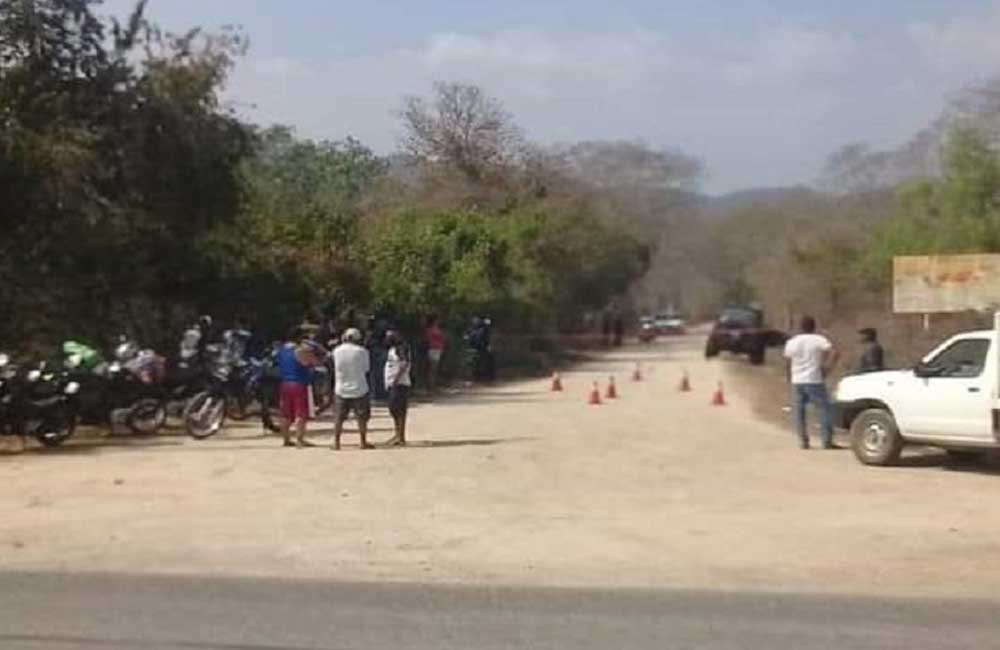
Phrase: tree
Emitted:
{"points": [[959, 212], [625, 165], [462, 128], [445, 262], [301, 214], [971, 183], [116, 162], [522, 267]]}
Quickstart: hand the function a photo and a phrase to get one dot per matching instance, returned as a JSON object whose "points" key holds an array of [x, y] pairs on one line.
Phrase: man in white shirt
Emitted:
{"points": [[809, 357], [351, 366]]}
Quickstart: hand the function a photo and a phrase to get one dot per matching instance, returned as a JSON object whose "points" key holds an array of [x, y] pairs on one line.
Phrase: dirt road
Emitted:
{"points": [[517, 485]]}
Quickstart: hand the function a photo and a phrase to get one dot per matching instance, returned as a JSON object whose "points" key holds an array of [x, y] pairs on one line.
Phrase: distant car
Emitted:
{"points": [[670, 324], [647, 329], [741, 330]]}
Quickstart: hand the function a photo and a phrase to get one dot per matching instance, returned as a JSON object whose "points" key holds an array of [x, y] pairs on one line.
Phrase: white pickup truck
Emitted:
{"points": [[950, 400]]}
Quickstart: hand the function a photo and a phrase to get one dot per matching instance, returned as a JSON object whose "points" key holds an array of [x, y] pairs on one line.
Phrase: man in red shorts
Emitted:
{"points": [[295, 364]]}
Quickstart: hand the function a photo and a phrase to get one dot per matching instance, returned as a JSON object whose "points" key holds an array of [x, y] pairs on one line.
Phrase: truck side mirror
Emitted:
{"points": [[925, 371]]}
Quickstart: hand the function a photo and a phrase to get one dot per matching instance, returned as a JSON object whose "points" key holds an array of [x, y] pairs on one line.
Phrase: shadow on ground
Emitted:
{"points": [[987, 463]]}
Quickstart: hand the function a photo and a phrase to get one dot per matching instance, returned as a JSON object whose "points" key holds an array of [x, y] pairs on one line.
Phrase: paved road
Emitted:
{"points": [[57, 612]]}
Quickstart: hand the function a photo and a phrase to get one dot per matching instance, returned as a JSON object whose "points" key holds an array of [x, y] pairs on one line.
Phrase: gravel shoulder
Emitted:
{"points": [[515, 485]]}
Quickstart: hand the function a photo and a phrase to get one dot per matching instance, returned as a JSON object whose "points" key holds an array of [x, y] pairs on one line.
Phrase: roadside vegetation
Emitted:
{"points": [[133, 198]]}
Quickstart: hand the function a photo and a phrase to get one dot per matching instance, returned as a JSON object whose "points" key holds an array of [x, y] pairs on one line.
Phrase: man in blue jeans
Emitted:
{"points": [[809, 357]]}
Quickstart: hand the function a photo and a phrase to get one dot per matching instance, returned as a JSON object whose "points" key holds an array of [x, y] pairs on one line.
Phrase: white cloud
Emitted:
{"points": [[521, 50], [762, 108], [792, 54]]}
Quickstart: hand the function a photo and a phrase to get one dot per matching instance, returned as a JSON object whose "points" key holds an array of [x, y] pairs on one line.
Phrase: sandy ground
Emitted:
{"points": [[517, 485]]}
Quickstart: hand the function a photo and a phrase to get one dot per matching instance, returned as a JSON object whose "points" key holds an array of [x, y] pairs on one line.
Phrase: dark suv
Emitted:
{"points": [[741, 330]]}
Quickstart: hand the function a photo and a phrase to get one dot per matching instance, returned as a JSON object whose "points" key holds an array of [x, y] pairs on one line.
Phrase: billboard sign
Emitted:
{"points": [[946, 283]]}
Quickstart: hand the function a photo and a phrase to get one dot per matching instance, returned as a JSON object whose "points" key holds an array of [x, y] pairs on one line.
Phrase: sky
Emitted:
{"points": [[761, 91]]}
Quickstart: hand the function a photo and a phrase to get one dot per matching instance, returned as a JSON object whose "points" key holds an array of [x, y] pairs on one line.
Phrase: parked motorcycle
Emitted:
{"points": [[189, 389], [35, 402], [253, 388], [205, 413], [111, 393]]}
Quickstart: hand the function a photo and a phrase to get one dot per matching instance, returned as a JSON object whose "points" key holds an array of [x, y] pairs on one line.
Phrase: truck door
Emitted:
{"points": [[956, 401]]}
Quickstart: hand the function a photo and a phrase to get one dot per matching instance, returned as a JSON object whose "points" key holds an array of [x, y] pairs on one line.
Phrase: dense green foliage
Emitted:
{"points": [[539, 270], [956, 213], [111, 171]]}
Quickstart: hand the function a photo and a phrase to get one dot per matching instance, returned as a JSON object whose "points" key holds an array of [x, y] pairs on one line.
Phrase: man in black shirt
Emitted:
{"points": [[873, 357]]}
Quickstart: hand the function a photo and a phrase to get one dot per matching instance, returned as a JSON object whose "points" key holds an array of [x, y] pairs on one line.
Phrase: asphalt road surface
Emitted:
{"points": [[84, 612]]}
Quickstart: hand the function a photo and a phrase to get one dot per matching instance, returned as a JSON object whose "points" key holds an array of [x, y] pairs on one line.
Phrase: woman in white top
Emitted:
{"points": [[397, 382]]}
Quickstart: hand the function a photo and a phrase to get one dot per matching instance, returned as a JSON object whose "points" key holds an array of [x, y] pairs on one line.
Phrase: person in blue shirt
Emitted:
{"points": [[296, 360]]}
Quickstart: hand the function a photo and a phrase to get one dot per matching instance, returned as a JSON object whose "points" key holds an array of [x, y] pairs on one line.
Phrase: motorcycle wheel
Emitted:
{"points": [[238, 407], [204, 415], [146, 417], [56, 428]]}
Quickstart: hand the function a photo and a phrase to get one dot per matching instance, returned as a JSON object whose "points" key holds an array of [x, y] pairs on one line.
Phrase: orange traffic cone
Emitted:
{"points": [[556, 383], [719, 399], [637, 374], [612, 392], [686, 383], [595, 396]]}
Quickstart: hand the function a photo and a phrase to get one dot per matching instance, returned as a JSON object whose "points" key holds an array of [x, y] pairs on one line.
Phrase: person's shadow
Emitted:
{"points": [[481, 442]]}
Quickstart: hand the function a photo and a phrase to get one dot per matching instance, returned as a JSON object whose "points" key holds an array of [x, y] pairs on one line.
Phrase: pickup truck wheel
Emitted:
{"points": [[875, 438], [758, 355]]}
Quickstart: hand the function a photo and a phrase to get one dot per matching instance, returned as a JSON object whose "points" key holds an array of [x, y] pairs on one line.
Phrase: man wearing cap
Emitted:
{"points": [[352, 364], [873, 357]]}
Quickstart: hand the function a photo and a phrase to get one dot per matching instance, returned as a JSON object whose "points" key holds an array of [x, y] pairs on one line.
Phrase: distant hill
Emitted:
{"points": [[758, 197]]}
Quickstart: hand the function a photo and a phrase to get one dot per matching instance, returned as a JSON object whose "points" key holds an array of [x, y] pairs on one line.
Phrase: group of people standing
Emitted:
{"points": [[299, 355], [382, 369], [810, 358]]}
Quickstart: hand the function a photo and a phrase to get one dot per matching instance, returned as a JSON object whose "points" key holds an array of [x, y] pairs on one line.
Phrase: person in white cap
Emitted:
{"points": [[352, 365]]}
